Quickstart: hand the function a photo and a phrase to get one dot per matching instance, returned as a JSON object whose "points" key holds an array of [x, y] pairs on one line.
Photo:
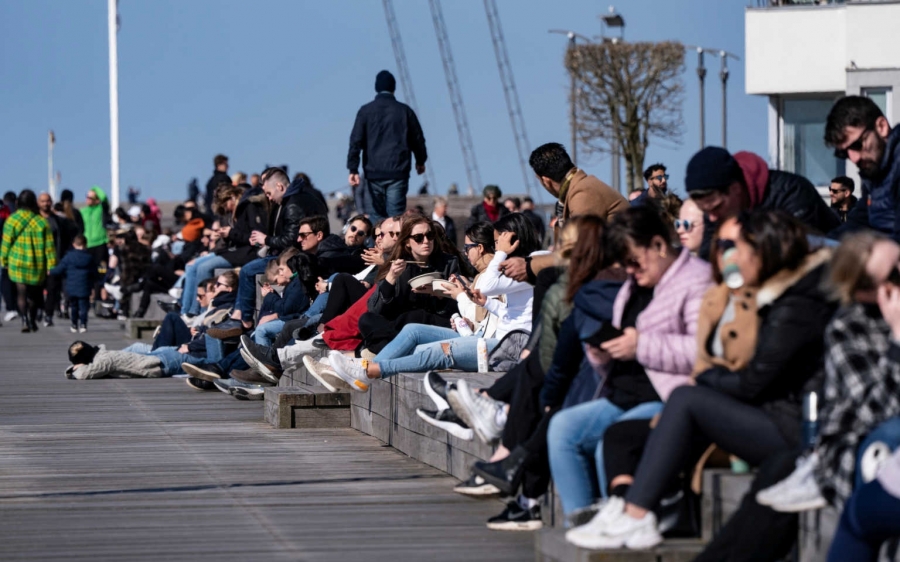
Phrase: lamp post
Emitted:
{"points": [[112, 22], [723, 75], [573, 118], [616, 21]]}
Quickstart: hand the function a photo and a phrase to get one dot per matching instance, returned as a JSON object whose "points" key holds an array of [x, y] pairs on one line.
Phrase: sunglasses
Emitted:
{"points": [[467, 247], [662, 177], [836, 191], [856, 146], [419, 238], [303, 235], [393, 233], [361, 232], [686, 224], [724, 244], [220, 284]]}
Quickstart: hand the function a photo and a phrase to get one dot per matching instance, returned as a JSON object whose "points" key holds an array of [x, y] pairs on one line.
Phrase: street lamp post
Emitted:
{"points": [[573, 86], [112, 17], [615, 20], [701, 74]]}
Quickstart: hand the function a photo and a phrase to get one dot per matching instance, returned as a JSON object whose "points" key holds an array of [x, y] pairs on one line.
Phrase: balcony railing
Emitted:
{"points": [[779, 3]]}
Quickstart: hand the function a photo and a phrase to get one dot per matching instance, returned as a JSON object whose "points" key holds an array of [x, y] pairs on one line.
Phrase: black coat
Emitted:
{"points": [[479, 214], [334, 256], [299, 201], [80, 270], [251, 213], [793, 313], [391, 301], [217, 178], [388, 134], [450, 230]]}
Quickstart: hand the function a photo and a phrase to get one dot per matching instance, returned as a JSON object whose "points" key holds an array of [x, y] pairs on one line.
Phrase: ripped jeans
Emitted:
{"points": [[456, 353]]}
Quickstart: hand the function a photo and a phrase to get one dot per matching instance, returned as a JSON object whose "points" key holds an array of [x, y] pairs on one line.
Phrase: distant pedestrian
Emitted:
{"points": [[489, 210], [133, 194], [193, 190], [842, 198], [80, 270], [220, 176], [440, 216], [536, 220], [388, 134]]}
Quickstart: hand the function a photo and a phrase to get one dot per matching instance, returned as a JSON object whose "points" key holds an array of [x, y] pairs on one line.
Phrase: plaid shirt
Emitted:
{"points": [[27, 251], [862, 390]]}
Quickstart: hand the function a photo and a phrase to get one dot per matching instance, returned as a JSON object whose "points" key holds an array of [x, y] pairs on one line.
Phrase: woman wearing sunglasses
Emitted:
{"points": [[689, 226]]}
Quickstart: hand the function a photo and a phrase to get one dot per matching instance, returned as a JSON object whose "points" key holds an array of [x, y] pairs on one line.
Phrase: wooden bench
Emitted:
{"points": [[388, 412], [306, 407]]}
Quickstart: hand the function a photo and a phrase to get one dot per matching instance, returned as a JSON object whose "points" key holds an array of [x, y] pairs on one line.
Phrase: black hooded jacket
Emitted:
{"points": [[299, 201]]}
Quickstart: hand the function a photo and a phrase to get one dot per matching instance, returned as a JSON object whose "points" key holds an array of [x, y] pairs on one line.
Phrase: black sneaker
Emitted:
{"points": [[436, 389], [506, 474], [199, 384], [476, 486], [515, 518], [448, 421], [243, 391], [205, 371], [169, 306], [264, 359]]}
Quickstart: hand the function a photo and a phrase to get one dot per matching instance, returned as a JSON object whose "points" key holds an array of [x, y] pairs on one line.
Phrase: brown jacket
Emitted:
{"points": [[587, 195], [738, 336]]}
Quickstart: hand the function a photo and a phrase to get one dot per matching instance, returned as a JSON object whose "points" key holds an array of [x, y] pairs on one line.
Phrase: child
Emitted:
{"points": [[81, 273], [295, 275]]}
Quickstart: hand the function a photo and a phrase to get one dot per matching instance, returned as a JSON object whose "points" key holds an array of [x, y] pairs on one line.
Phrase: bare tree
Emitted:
{"points": [[627, 93]]}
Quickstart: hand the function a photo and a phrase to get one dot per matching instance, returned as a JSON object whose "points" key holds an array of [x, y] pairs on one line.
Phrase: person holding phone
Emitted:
{"points": [[647, 352]]}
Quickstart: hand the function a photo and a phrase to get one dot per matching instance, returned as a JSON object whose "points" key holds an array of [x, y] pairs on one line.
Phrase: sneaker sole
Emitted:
{"points": [[463, 408], [224, 386], [225, 334], [499, 483], [808, 505], [478, 491], [355, 384], [335, 384], [259, 366], [197, 373], [190, 383], [516, 526], [466, 434], [438, 400], [245, 394]]}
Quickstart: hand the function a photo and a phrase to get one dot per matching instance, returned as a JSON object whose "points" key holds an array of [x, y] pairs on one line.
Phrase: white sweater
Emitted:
{"points": [[515, 313]]}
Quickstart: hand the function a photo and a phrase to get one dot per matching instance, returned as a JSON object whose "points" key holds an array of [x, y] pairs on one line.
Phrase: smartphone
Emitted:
{"points": [[262, 282], [604, 334], [466, 288]]}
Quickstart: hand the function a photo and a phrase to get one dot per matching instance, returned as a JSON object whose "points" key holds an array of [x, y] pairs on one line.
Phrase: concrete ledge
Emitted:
{"points": [[136, 327], [388, 412], [550, 546], [306, 407]]}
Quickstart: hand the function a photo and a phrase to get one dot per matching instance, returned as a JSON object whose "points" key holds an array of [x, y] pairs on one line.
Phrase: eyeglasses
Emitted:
{"points": [[393, 233], [201, 295], [361, 232], [220, 284], [303, 235], [419, 238], [467, 247], [855, 146], [724, 244], [686, 224], [662, 177], [836, 191]]}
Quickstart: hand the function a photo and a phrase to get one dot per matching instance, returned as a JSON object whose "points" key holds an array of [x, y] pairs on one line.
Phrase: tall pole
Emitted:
{"points": [[112, 13], [701, 73], [723, 74], [51, 186], [573, 117]]}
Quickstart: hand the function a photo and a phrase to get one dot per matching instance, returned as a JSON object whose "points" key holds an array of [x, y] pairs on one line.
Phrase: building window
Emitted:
{"points": [[804, 147], [881, 97]]}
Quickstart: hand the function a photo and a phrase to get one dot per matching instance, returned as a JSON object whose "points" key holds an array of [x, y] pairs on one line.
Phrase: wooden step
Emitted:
{"points": [[550, 546], [306, 407]]}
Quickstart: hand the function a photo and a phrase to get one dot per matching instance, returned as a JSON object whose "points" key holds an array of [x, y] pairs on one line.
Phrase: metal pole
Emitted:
{"points": [[723, 74], [701, 73], [573, 117], [112, 13], [51, 187]]}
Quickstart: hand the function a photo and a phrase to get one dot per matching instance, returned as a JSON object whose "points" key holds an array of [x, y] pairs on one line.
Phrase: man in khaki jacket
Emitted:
{"points": [[577, 194]]}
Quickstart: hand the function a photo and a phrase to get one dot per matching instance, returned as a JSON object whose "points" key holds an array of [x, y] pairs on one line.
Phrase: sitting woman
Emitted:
{"points": [[753, 412], [514, 236], [649, 353]]}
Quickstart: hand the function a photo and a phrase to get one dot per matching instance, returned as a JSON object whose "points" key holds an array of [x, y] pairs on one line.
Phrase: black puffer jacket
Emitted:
{"points": [[793, 311], [391, 301], [252, 213], [299, 201], [334, 256], [388, 133]]}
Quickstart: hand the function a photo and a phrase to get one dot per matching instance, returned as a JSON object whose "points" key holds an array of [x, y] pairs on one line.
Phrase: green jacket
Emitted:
{"points": [[27, 251], [94, 227], [554, 310]]}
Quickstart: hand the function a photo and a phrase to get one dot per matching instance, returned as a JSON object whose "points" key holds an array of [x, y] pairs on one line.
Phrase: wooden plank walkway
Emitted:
{"points": [[152, 470]]}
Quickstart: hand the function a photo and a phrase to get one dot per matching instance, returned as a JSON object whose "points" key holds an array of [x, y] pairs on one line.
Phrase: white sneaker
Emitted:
{"points": [[619, 530], [798, 492], [10, 316], [351, 370], [82, 330], [114, 291], [478, 411], [321, 371], [609, 510], [176, 292], [73, 329]]}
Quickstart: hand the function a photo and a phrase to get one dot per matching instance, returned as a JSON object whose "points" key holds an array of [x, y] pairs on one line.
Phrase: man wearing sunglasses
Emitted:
{"points": [[657, 184], [859, 132], [842, 198], [723, 185]]}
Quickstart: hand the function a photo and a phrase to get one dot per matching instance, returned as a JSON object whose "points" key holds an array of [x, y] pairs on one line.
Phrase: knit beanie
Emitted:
{"points": [[711, 169], [385, 82], [82, 353]]}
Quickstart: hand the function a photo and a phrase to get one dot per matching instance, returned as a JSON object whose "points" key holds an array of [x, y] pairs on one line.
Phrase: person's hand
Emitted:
{"points": [[426, 289], [420, 169], [396, 270], [194, 331], [505, 243], [373, 256], [183, 349], [596, 356], [322, 286], [353, 180], [452, 288], [224, 231], [624, 347], [889, 303], [478, 298], [257, 238], [192, 262], [266, 289], [366, 284], [514, 268]]}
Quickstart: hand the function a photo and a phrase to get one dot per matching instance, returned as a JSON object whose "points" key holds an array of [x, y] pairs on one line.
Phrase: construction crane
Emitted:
{"points": [[459, 110], [405, 80], [523, 147]]}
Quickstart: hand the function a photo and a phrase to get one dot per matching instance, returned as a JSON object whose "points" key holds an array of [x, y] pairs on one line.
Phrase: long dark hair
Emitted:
{"points": [[301, 265], [482, 233], [777, 238], [27, 200], [588, 257], [638, 226], [400, 250], [523, 228]]}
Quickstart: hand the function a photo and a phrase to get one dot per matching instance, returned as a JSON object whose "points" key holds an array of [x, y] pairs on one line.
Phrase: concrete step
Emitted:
{"points": [[303, 407], [550, 546]]}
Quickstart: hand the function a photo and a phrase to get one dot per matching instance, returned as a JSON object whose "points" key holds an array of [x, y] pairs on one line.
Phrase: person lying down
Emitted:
{"points": [[95, 362]]}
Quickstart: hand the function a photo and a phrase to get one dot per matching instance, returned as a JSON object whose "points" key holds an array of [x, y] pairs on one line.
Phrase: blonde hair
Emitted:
{"points": [[848, 265]]}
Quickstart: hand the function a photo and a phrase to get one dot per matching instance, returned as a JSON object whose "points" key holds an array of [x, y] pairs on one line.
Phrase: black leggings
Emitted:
{"points": [[695, 416], [377, 331], [29, 299], [345, 290]]}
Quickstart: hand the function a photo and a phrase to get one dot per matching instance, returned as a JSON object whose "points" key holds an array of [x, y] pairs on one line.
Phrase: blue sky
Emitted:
{"points": [[280, 81]]}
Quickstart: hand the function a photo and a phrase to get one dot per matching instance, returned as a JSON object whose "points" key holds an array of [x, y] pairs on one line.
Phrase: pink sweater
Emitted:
{"points": [[667, 328]]}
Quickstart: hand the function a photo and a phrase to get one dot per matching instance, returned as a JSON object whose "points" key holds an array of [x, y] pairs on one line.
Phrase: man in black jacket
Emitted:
{"points": [[842, 198], [723, 185], [386, 131], [220, 175]]}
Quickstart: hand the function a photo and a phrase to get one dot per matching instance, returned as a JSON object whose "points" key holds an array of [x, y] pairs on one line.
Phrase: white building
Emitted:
{"points": [[803, 55]]}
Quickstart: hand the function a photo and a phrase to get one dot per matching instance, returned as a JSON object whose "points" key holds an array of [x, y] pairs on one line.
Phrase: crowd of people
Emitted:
{"points": [[636, 342]]}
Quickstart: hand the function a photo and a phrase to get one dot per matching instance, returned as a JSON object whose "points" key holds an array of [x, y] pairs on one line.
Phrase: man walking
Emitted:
{"points": [[220, 176], [388, 134], [842, 198]]}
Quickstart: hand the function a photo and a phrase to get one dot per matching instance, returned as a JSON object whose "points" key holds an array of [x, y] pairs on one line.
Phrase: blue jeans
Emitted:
{"points": [[387, 198], [462, 354], [139, 347], [888, 433], [575, 443], [412, 336], [266, 334], [202, 268], [78, 310], [246, 297], [172, 332], [870, 517], [172, 359]]}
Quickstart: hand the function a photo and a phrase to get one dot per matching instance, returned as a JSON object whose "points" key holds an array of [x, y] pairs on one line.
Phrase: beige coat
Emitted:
{"points": [[587, 195]]}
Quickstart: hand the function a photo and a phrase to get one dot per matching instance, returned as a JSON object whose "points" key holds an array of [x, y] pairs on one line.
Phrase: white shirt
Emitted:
{"points": [[515, 313]]}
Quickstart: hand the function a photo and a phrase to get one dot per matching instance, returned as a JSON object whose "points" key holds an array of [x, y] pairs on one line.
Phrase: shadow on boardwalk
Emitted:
{"points": [[150, 469]]}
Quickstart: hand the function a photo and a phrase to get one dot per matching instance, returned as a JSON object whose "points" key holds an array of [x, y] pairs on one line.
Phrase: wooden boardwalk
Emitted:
{"points": [[152, 470]]}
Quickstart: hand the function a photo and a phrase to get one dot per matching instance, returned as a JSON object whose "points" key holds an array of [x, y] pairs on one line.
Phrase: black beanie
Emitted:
{"points": [[67, 195], [82, 353], [385, 82], [711, 169]]}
